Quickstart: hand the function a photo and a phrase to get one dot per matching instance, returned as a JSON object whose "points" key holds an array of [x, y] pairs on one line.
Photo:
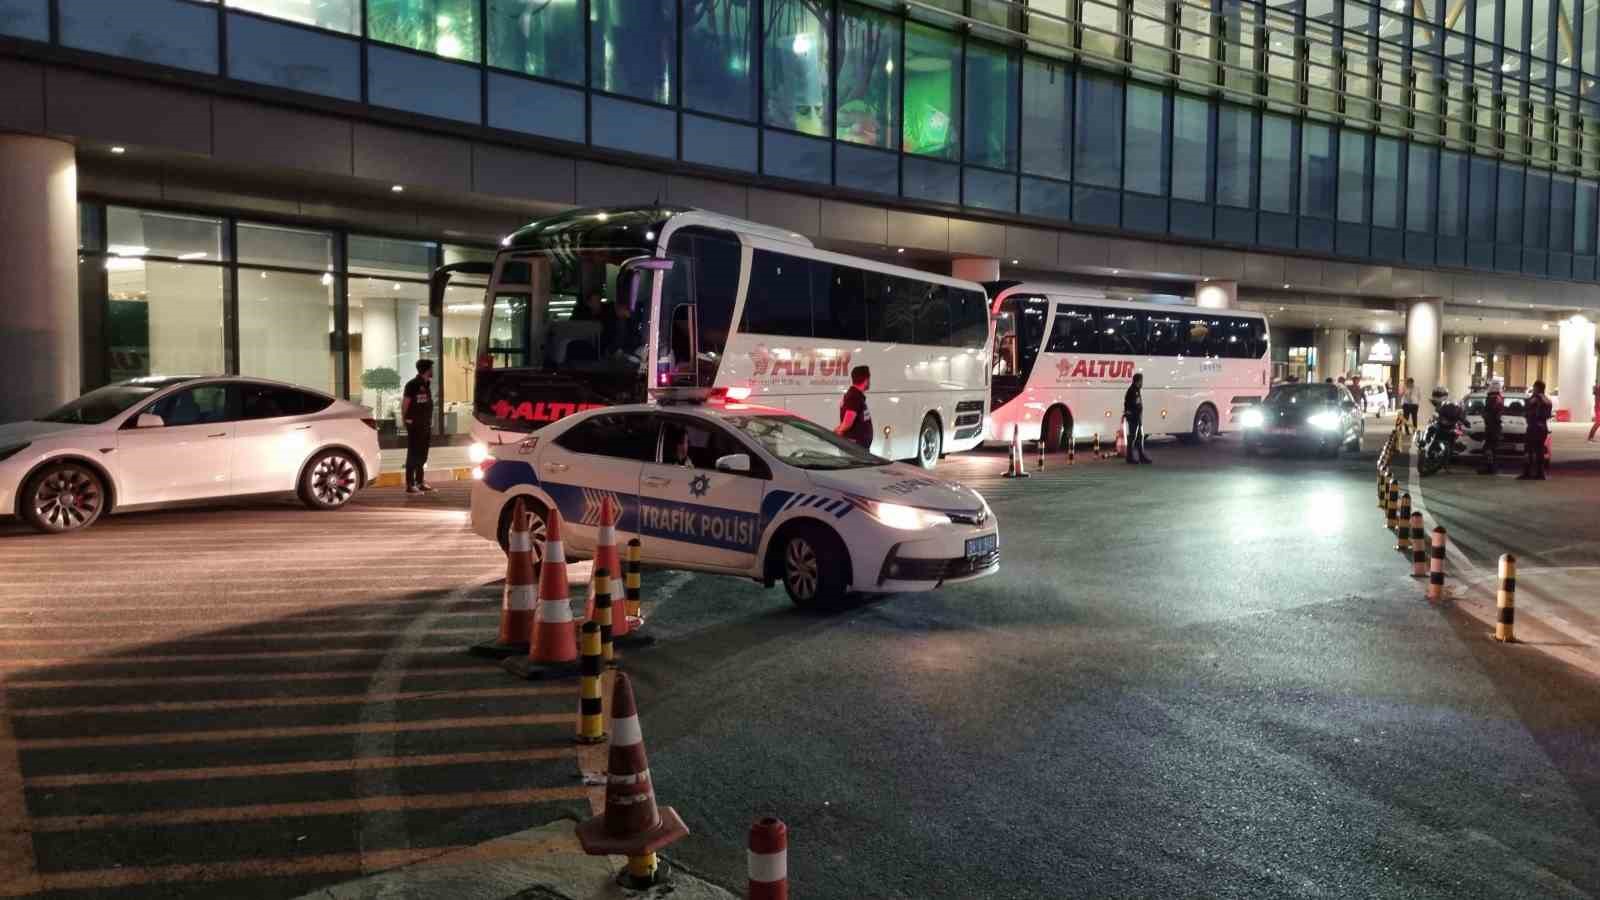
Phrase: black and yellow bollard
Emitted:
{"points": [[1436, 566], [1391, 507], [602, 615], [1402, 531], [641, 871], [632, 600], [1506, 600], [1419, 547], [591, 712], [1072, 450]]}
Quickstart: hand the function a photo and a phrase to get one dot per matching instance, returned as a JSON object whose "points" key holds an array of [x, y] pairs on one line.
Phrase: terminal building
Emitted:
{"points": [[1409, 188]]}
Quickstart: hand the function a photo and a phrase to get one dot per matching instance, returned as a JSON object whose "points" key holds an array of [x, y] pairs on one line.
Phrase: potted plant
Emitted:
{"points": [[381, 381]]}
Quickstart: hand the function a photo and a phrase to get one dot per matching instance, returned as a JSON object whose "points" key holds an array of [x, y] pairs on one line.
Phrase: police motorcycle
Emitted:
{"points": [[1445, 435]]}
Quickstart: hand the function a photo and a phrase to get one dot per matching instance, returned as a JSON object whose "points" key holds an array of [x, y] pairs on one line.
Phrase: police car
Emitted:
{"points": [[738, 489]]}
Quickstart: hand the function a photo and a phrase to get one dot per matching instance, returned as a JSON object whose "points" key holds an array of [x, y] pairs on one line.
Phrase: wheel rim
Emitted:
{"points": [[333, 480], [67, 498], [538, 533], [1203, 425], [930, 443], [800, 569]]}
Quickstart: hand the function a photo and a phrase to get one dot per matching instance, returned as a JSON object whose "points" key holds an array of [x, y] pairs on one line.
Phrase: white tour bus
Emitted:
{"points": [[598, 307], [1063, 358]]}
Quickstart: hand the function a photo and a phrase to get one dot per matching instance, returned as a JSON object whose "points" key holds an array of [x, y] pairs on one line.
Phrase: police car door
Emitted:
{"points": [[598, 458], [697, 515]]}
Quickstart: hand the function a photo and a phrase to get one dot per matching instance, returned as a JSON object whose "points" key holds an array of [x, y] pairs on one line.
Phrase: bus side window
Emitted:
{"points": [[1122, 333], [1005, 340], [969, 313]]}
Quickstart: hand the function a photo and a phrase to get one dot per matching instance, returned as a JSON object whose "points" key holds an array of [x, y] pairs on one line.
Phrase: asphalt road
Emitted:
{"points": [[1208, 677]]}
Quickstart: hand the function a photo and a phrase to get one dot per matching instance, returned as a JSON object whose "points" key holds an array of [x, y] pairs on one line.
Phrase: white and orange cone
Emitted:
{"points": [[1016, 468], [519, 597], [553, 648], [608, 557], [768, 863]]}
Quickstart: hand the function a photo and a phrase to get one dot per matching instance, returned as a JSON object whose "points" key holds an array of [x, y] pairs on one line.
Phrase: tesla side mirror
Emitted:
{"points": [[149, 420], [734, 462]]}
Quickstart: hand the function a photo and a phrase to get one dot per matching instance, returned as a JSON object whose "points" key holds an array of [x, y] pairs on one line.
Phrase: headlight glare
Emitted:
{"points": [[905, 518], [1251, 418], [1327, 421]]}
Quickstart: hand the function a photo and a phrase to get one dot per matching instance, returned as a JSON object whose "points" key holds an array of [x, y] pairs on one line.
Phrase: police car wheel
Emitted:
{"points": [[813, 567], [930, 443], [330, 480], [63, 497]]}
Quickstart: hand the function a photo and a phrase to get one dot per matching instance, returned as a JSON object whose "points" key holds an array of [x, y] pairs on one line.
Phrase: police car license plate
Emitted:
{"points": [[978, 546]]}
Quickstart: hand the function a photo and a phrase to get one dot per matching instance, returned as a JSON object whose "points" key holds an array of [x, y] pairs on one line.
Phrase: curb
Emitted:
{"points": [[398, 479]]}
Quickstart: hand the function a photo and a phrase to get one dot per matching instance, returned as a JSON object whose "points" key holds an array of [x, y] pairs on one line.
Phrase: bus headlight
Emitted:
{"points": [[1326, 421], [1250, 418]]}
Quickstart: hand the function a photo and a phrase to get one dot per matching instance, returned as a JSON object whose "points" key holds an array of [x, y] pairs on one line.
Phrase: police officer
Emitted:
{"points": [[416, 408], [1493, 409], [1537, 412], [855, 420], [1133, 412]]}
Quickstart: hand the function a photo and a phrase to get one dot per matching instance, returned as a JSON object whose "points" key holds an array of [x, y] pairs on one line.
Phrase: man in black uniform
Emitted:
{"points": [[416, 408], [1133, 411], [1493, 410], [855, 420], [1537, 412]]}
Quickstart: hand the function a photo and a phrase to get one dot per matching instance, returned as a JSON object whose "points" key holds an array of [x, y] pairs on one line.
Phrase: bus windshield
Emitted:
{"points": [[567, 311]]}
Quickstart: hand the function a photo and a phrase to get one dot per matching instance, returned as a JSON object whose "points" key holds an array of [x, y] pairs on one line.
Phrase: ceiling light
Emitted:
{"points": [[1015, 262], [119, 150], [398, 189], [1116, 271], [1280, 309], [899, 249], [1286, 287]]}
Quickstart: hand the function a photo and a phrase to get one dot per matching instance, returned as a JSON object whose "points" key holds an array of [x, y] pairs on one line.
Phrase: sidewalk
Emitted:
{"points": [[444, 464]]}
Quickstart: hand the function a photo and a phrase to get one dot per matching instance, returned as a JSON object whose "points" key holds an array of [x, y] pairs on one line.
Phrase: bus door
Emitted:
{"points": [[676, 355], [1019, 329]]}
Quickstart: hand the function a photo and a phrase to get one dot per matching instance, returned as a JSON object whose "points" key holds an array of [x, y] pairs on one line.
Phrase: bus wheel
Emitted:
{"points": [[930, 442], [1205, 426], [1056, 428]]}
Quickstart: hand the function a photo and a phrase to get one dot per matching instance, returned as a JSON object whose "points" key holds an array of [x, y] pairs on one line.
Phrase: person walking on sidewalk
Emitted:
{"points": [[1493, 409], [1537, 412], [1596, 426], [1133, 412], [417, 410]]}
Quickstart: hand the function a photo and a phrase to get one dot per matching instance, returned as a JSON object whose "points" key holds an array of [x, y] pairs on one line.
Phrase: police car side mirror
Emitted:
{"points": [[734, 462], [149, 420]]}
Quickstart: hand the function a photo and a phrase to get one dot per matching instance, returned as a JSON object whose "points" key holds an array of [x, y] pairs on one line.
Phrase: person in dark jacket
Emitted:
{"points": [[1493, 409], [1133, 412], [1537, 411]]}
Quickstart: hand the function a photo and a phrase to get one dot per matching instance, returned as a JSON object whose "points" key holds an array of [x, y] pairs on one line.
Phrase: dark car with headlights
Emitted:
{"points": [[1321, 417]]}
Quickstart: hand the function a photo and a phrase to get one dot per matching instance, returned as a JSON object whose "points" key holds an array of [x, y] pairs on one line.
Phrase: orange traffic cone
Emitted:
{"points": [[1122, 441], [1016, 468], [631, 825], [519, 597], [553, 648], [607, 556]]}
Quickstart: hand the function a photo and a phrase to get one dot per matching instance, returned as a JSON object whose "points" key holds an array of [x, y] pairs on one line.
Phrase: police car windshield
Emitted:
{"points": [[106, 403], [804, 444]]}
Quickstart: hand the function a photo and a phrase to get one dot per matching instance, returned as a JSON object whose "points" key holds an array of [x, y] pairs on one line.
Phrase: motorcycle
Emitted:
{"points": [[1442, 439]]}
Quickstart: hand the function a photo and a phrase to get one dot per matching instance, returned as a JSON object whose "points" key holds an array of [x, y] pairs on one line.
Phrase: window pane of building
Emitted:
{"points": [[1515, 34], [1422, 164], [632, 47], [1317, 177], [1591, 35], [447, 28], [275, 53], [932, 95], [1236, 155], [993, 75], [1508, 206], [25, 19], [1583, 227], [1046, 118], [391, 257], [168, 32], [537, 37], [1353, 176], [1096, 141], [389, 332], [136, 232], [1277, 164], [1386, 183], [868, 89], [272, 245], [718, 46], [334, 15], [1536, 210], [1562, 205], [1191, 128], [1452, 194], [1146, 170], [795, 51], [1480, 209], [285, 320], [163, 318]]}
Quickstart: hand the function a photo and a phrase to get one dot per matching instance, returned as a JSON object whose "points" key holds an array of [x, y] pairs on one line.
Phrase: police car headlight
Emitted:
{"points": [[907, 518], [1327, 421], [478, 452], [1250, 418]]}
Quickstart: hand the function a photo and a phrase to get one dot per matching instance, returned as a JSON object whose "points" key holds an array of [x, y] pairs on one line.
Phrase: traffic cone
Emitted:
{"points": [[518, 599], [605, 556], [631, 825], [1016, 468], [553, 649], [631, 611], [768, 862], [1122, 441]]}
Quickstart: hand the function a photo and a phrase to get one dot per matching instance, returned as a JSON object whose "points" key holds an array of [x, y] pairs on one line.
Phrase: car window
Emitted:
{"points": [[205, 404], [1515, 406], [698, 445], [267, 401], [618, 435]]}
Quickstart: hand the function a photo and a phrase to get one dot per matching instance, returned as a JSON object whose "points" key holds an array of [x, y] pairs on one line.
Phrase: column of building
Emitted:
{"points": [[1424, 321], [39, 334], [1575, 367]]}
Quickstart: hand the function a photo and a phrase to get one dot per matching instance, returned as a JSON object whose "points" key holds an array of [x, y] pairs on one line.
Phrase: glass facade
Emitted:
{"points": [[1313, 124], [340, 312]]}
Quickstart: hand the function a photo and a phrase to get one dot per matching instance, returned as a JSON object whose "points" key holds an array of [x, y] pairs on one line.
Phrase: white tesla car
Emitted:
{"points": [[159, 440]]}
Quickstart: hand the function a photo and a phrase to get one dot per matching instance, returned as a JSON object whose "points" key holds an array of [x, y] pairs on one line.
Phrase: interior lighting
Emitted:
{"points": [[802, 43], [119, 150], [398, 189]]}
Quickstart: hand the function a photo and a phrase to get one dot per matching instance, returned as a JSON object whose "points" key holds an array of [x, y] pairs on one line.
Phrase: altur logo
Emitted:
{"points": [[1067, 369], [760, 360], [803, 363]]}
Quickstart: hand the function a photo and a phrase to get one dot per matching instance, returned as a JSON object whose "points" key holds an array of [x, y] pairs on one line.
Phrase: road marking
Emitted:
{"points": [[313, 767], [233, 870], [266, 702], [287, 731], [198, 639], [140, 659], [267, 811], [24, 683], [18, 866]]}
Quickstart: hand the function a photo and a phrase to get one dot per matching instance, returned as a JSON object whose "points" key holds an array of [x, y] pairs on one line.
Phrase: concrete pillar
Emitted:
{"points": [[39, 336], [979, 269], [1217, 294], [1424, 319], [1332, 353], [1575, 366], [1457, 375]]}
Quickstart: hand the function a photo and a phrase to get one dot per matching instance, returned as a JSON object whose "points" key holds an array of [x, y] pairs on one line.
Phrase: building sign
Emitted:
{"points": [[1381, 349]]}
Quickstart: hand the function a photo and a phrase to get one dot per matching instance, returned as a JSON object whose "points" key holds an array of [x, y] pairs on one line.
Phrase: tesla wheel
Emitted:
{"points": [[930, 442], [330, 481], [63, 497], [814, 566], [1204, 428], [1056, 427], [536, 511]]}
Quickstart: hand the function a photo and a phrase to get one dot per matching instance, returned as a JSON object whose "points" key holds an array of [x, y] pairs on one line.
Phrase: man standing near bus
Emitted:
{"points": [[855, 420], [416, 408], [1133, 412]]}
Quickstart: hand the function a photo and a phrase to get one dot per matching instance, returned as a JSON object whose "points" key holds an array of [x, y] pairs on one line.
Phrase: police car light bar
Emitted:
{"points": [[682, 396]]}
